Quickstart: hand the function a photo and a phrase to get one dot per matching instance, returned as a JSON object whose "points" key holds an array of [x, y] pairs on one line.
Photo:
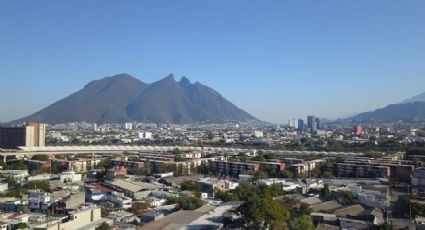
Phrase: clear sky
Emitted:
{"points": [[275, 59]]}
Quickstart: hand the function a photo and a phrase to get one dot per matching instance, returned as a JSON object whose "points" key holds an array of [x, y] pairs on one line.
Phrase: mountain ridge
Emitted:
{"points": [[122, 98]]}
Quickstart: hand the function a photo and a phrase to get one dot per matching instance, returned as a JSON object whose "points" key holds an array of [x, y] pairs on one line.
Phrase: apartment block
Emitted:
{"points": [[233, 169]]}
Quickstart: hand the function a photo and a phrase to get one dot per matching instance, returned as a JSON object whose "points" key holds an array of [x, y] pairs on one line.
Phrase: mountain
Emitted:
{"points": [[420, 98], [410, 111], [123, 98]]}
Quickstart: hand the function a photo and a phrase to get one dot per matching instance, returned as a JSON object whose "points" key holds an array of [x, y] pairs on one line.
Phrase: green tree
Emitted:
{"points": [[348, 197], [304, 222], [328, 175], [20, 226], [40, 157], [42, 184], [189, 185], [325, 193], [263, 213], [258, 175], [104, 226], [287, 174]]}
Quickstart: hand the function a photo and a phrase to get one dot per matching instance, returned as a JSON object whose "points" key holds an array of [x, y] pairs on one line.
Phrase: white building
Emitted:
{"points": [[3, 186], [69, 176], [258, 134], [129, 126], [156, 202], [37, 199], [222, 185], [18, 175], [370, 198], [286, 185], [119, 200], [145, 135], [293, 123]]}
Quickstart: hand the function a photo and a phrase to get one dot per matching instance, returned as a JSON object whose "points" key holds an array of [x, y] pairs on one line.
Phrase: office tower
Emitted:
{"points": [[317, 120], [293, 123], [311, 123], [301, 125], [30, 135]]}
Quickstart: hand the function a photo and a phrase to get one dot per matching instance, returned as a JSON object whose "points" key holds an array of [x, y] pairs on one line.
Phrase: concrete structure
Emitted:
{"points": [[85, 218], [311, 123], [119, 200], [18, 175], [418, 181], [39, 200], [359, 170], [3, 186], [30, 135], [233, 169], [116, 171], [206, 217], [210, 184], [125, 163], [305, 167], [370, 167], [69, 176], [371, 198], [120, 149]]}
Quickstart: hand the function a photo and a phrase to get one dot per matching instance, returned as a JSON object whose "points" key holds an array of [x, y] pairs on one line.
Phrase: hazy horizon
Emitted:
{"points": [[277, 61]]}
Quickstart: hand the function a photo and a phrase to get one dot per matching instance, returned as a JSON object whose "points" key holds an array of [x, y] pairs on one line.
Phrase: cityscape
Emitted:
{"points": [[83, 146]]}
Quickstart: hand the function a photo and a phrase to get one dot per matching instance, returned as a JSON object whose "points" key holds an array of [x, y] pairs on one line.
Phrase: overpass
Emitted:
{"points": [[119, 149]]}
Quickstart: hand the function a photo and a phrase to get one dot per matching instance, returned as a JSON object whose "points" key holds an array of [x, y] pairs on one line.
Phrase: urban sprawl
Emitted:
{"points": [[308, 174]]}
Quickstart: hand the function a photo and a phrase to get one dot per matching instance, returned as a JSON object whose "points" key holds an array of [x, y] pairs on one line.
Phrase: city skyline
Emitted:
{"points": [[329, 59]]}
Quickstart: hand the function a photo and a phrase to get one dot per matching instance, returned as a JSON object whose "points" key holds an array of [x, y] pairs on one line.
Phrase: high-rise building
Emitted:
{"points": [[30, 135], [317, 120], [301, 125], [311, 123], [293, 123]]}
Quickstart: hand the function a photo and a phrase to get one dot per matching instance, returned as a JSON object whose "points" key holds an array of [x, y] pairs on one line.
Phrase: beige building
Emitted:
{"points": [[35, 135], [87, 218]]}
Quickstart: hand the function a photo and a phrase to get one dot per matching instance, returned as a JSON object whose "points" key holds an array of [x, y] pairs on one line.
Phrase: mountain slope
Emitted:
{"points": [[417, 98], [99, 101], [415, 111], [124, 98], [183, 102]]}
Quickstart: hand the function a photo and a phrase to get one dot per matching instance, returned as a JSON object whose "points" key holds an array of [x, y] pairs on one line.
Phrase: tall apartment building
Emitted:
{"points": [[311, 123], [30, 135]]}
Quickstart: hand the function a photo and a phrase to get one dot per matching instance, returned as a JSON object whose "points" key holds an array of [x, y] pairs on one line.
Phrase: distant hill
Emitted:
{"points": [[410, 111], [417, 98], [123, 98]]}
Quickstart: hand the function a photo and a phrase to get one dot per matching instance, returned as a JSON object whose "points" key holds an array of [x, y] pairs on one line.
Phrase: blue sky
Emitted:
{"points": [[275, 59]]}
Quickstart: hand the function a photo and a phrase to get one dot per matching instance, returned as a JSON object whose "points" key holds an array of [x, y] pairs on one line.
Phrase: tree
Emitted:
{"points": [[328, 175], [40, 157], [304, 222], [189, 185], [20, 226], [348, 197], [325, 193], [104, 226], [18, 165], [263, 213], [258, 175], [288, 174], [42, 184]]}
